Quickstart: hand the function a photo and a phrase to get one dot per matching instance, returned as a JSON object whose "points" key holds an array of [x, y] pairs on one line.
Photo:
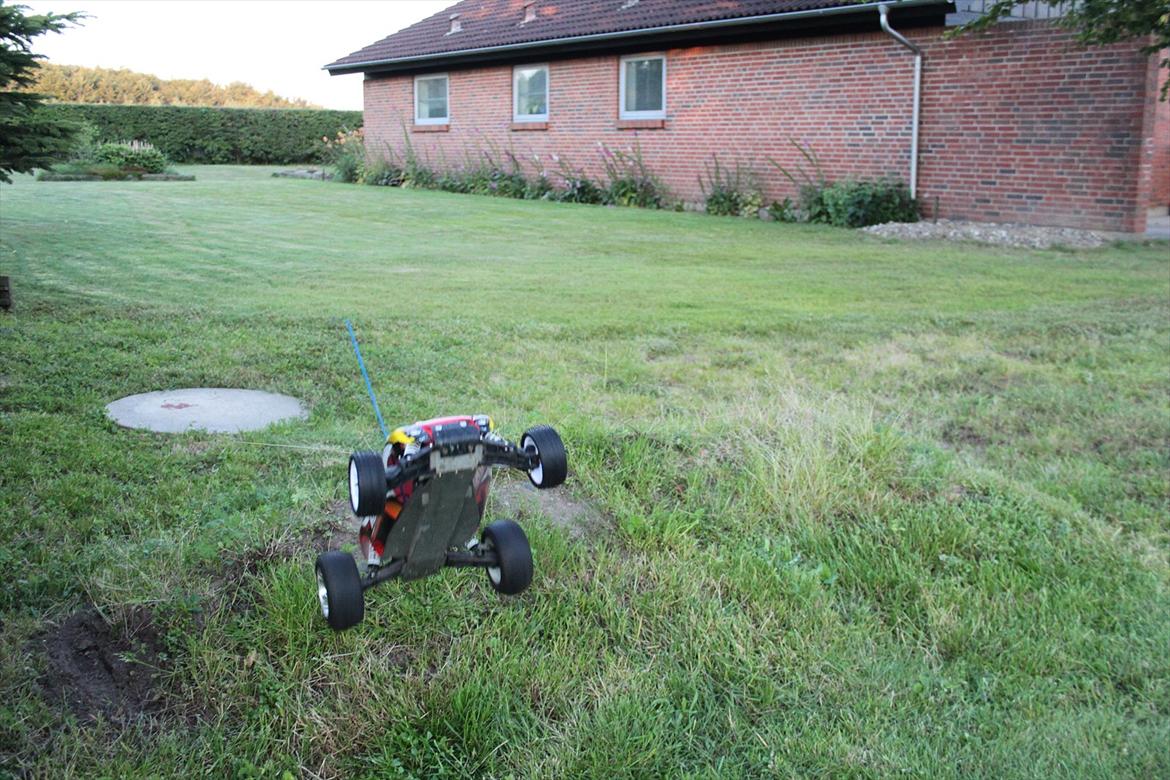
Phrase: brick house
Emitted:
{"points": [[1014, 124]]}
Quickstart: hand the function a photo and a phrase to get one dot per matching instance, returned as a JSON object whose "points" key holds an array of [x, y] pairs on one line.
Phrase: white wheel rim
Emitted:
{"points": [[493, 571], [353, 485], [536, 474], [322, 594]]}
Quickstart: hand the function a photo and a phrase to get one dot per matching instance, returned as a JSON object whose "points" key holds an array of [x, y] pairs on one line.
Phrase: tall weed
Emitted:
{"points": [[730, 192]]}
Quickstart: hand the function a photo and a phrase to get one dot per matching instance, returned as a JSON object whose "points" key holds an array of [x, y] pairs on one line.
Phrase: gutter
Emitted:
{"points": [[715, 24], [884, 13]]}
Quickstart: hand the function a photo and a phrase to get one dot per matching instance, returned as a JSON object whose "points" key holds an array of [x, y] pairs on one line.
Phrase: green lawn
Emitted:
{"points": [[872, 508]]}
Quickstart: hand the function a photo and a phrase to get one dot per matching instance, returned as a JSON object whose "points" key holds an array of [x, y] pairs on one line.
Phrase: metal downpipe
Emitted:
{"points": [[884, 13]]}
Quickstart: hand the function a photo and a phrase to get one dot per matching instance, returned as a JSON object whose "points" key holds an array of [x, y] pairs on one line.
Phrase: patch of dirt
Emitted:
{"points": [[102, 669], [964, 436], [195, 447], [341, 527], [231, 581], [520, 499]]}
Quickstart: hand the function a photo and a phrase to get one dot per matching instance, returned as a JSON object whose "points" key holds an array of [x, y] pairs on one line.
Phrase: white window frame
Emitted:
{"points": [[430, 120], [518, 117], [622, 112]]}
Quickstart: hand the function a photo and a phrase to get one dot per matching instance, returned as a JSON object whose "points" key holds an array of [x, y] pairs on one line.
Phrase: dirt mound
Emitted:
{"points": [[521, 499], [231, 579], [98, 668]]}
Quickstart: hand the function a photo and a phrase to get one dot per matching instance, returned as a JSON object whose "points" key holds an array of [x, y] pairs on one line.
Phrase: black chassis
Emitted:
{"points": [[444, 470]]}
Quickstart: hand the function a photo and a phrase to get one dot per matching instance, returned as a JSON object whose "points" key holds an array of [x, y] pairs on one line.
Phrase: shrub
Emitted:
{"points": [[417, 176], [580, 189], [859, 203], [490, 173], [630, 182], [576, 187], [812, 204], [346, 154], [346, 169], [382, 173], [83, 171], [487, 175], [730, 194], [455, 181], [190, 134], [131, 157], [106, 171], [784, 211], [85, 143], [539, 188], [508, 184], [501, 181], [809, 179], [846, 203]]}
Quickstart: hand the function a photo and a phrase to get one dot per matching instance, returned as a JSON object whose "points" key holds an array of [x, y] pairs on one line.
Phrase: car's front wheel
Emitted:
{"points": [[367, 483], [513, 572]]}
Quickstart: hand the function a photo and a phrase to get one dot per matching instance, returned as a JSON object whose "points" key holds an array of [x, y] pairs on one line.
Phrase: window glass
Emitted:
{"points": [[531, 89], [430, 95], [643, 85]]}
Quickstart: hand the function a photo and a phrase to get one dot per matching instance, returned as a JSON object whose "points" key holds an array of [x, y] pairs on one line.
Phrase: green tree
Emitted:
{"points": [[27, 141], [1098, 22], [79, 84]]}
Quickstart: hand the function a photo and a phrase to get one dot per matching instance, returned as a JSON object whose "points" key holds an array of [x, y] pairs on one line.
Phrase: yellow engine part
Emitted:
{"points": [[400, 436]]}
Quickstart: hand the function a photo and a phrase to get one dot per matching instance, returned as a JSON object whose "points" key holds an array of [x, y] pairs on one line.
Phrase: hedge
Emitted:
{"points": [[188, 134]]}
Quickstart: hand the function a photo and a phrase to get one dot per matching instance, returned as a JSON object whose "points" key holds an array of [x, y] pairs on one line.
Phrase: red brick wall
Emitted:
{"points": [[1017, 123], [1159, 143]]}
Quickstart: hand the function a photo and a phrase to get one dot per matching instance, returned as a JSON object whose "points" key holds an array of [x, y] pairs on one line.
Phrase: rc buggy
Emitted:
{"points": [[422, 501]]}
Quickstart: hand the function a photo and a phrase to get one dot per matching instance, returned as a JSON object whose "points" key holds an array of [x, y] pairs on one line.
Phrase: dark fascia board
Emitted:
{"points": [[910, 13]]}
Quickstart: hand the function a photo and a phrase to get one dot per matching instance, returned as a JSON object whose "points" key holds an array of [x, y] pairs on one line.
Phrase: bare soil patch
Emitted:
{"points": [[105, 669], [521, 499], [231, 585]]}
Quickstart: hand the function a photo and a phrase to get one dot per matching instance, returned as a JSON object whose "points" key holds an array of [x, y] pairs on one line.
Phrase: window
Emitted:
{"points": [[430, 99], [530, 93], [643, 87]]}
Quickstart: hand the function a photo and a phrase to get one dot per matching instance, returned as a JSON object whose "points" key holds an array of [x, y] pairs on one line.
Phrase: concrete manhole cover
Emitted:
{"points": [[211, 409]]}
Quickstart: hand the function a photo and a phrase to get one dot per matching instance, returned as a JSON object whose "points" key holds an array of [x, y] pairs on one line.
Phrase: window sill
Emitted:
{"points": [[641, 124], [518, 126], [430, 128]]}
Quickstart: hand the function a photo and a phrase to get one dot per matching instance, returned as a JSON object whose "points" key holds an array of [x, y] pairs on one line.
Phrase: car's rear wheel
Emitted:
{"points": [[553, 465], [339, 590]]}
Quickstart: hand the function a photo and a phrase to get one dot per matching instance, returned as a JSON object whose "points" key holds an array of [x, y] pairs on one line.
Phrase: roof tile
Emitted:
{"points": [[489, 23]]}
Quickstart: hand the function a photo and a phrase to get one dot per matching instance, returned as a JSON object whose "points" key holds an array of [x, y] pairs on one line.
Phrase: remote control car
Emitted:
{"points": [[422, 501]]}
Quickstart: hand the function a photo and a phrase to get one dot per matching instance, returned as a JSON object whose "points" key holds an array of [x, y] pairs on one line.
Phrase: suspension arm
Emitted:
{"points": [[510, 456]]}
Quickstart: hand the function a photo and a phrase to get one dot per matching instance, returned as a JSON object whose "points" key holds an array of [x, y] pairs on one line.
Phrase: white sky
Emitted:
{"points": [[277, 45]]}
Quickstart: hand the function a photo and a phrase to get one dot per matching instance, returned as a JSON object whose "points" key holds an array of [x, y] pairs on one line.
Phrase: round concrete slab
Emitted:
{"points": [[211, 409]]}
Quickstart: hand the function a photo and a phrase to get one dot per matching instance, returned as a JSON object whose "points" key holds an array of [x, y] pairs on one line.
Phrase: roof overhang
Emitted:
{"points": [[909, 13]]}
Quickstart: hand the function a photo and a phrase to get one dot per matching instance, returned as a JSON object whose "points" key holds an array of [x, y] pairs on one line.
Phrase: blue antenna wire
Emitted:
{"points": [[365, 375]]}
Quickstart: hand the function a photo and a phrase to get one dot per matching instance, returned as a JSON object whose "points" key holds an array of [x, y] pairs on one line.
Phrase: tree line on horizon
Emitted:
{"points": [[120, 86]]}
